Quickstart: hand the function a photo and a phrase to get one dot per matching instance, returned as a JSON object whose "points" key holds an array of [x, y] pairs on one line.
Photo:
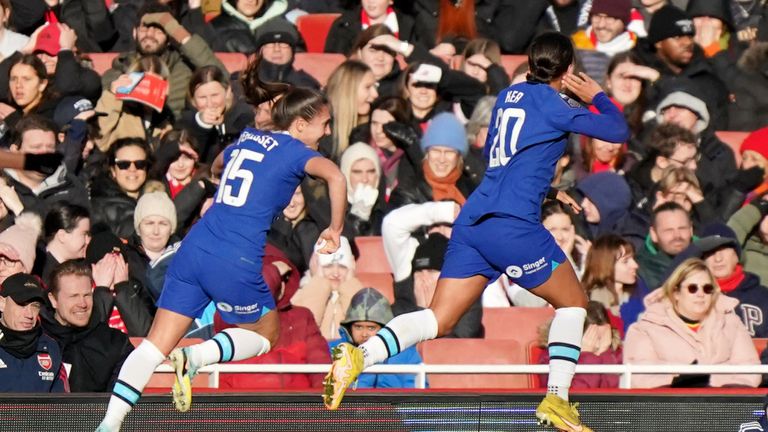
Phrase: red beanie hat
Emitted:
{"points": [[619, 9], [757, 141]]}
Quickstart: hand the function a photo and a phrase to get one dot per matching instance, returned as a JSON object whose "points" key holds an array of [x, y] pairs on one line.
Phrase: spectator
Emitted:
{"points": [[91, 20], [351, 89], [17, 245], [176, 161], [361, 166], [751, 227], [690, 322], [380, 58], [67, 231], [606, 203], [277, 42], [29, 93], [38, 192], [670, 233], [240, 20], [130, 119], [368, 312], [441, 175], [10, 41], [601, 344], [670, 146], [481, 60], [714, 25], [564, 16], [78, 125], [670, 49], [154, 222], [558, 220], [610, 277], [602, 156], [627, 81], [33, 360], [118, 299], [295, 231], [300, 340], [329, 289], [754, 153], [477, 132], [114, 195], [749, 110], [156, 27], [606, 36], [216, 117], [10, 203], [94, 351], [346, 28]]}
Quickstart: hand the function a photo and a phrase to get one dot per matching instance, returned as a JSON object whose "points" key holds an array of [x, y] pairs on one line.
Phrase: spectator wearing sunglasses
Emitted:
{"points": [[114, 194], [689, 321]]}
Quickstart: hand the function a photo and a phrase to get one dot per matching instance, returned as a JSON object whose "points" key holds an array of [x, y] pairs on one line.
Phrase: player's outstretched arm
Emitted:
{"points": [[609, 125], [323, 168]]}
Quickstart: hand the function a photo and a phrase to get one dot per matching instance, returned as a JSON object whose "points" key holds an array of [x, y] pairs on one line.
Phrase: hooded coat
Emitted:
{"points": [[370, 305], [661, 337], [610, 193]]}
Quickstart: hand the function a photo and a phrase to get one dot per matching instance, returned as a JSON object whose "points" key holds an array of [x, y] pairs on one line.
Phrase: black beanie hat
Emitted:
{"points": [[668, 22], [429, 255]]}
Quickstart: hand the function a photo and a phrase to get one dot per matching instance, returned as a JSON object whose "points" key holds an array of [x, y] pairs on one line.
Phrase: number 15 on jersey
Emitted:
{"points": [[505, 141]]}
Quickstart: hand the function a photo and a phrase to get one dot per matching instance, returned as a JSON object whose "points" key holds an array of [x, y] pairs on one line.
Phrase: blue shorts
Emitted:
{"points": [[196, 277], [524, 251]]}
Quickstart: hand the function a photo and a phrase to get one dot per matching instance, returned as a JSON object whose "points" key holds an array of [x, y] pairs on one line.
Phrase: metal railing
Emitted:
{"points": [[421, 370]]}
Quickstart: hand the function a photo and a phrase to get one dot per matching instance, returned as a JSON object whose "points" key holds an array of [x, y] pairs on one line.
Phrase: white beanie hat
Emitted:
{"points": [[354, 153], [155, 204], [342, 256]]}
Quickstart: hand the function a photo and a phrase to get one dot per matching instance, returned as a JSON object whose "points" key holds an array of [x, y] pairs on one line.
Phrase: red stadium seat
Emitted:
{"points": [[372, 257], [518, 323], [102, 62], [234, 62], [314, 29], [381, 282], [760, 344], [511, 62], [534, 353], [734, 140], [474, 351], [165, 380], [320, 66]]}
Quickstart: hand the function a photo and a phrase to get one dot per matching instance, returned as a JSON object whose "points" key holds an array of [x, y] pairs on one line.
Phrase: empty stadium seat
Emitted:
{"points": [[518, 323], [474, 351], [102, 62], [734, 140], [234, 62], [372, 257], [381, 282], [319, 65], [314, 29], [760, 344], [165, 380]]}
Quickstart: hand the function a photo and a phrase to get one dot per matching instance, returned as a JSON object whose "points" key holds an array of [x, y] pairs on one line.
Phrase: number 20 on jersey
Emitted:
{"points": [[509, 122]]}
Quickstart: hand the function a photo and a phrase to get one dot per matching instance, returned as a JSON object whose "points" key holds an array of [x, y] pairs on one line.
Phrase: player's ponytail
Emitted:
{"points": [[257, 91], [297, 102], [549, 57]]}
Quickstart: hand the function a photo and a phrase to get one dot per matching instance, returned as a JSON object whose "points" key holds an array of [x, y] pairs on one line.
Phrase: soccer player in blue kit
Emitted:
{"points": [[499, 230], [220, 259]]}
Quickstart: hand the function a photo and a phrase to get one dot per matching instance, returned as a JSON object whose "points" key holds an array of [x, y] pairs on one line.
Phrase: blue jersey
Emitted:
{"points": [[262, 171], [527, 136]]}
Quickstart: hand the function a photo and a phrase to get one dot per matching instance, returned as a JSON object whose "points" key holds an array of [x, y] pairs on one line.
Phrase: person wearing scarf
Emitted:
{"points": [[346, 28], [30, 361]]}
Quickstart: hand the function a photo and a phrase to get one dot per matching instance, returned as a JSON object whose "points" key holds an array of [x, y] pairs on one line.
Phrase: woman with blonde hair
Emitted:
{"points": [[689, 321], [351, 89]]}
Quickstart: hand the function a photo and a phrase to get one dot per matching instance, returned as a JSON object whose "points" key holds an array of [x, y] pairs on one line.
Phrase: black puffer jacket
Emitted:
{"points": [[96, 352], [132, 301], [60, 186], [749, 85], [346, 28], [91, 21], [112, 208], [234, 34]]}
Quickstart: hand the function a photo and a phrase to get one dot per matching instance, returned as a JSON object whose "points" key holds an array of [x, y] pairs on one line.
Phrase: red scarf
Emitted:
{"points": [[116, 321], [444, 188], [731, 282], [598, 166], [389, 21]]}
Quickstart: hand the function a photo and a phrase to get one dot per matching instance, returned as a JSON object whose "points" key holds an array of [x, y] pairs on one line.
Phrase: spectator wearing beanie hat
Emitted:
{"points": [[416, 293], [330, 285], [442, 176], [361, 166], [606, 36], [277, 41], [754, 153], [18, 245], [155, 222], [670, 48]]}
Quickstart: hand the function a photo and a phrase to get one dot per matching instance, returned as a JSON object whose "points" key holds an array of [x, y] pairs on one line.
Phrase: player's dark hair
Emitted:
{"points": [[549, 57], [298, 102], [257, 91]]}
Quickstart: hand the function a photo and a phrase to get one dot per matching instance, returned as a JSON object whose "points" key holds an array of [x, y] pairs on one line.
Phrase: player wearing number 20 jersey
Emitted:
{"points": [[499, 228], [221, 257]]}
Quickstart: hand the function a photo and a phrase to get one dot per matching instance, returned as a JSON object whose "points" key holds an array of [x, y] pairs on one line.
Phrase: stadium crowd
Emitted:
{"points": [[671, 245]]}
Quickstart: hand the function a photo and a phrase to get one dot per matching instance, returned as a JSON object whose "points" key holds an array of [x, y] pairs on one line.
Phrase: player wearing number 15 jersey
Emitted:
{"points": [[220, 260], [499, 230]]}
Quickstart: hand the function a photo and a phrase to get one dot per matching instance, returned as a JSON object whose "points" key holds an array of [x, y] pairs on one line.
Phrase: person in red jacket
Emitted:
{"points": [[300, 340]]}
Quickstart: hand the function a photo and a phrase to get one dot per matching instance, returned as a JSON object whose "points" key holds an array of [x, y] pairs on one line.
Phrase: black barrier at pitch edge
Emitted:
{"points": [[379, 412]]}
